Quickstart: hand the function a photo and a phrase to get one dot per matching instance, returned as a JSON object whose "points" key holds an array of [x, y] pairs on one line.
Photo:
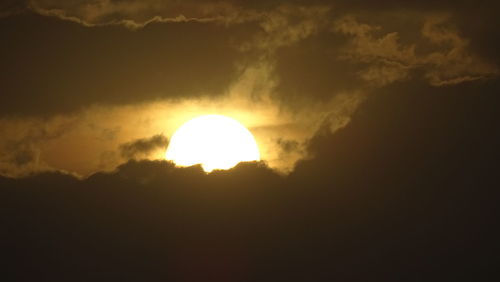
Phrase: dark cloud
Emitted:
{"points": [[288, 145], [407, 189], [143, 147], [75, 67], [371, 45]]}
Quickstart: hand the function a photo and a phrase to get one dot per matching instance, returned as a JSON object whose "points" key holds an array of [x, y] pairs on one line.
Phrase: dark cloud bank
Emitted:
{"points": [[408, 191]]}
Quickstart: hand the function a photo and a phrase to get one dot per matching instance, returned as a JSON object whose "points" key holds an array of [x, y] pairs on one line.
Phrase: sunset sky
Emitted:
{"points": [[376, 123]]}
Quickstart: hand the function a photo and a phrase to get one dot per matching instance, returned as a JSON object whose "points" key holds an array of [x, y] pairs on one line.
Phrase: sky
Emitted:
{"points": [[377, 125]]}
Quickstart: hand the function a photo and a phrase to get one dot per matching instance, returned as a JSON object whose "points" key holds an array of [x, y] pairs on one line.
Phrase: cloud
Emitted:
{"points": [[387, 60], [395, 183], [136, 14], [169, 61], [455, 64], [286, 25], [109, 65], [21, 145], [143, 147]]}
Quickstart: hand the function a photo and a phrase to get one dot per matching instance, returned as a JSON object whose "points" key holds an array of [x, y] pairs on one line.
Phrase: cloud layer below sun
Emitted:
{"points": [[112, 80]]}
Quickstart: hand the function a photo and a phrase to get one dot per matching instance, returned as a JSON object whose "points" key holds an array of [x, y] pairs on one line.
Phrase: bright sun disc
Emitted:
{"points": [[214, 141]]}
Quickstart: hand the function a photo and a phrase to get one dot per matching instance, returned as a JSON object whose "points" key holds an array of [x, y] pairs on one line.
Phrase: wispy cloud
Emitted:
{"points": [[143, 147], [387, 60]]}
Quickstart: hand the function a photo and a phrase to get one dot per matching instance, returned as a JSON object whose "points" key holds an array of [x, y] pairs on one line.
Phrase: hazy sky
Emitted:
{"points": [[377, 123]]}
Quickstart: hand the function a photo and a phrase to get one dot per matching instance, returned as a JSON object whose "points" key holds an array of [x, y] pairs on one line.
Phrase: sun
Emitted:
{"points": [[214, 141]]}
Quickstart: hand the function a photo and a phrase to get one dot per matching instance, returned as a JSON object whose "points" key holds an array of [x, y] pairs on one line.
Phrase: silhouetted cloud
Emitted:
{"points": [[393, 194], [143, 146]]}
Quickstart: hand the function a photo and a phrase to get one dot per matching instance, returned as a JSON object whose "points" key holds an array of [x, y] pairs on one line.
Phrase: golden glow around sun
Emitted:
{"points": [[214, 141]]}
